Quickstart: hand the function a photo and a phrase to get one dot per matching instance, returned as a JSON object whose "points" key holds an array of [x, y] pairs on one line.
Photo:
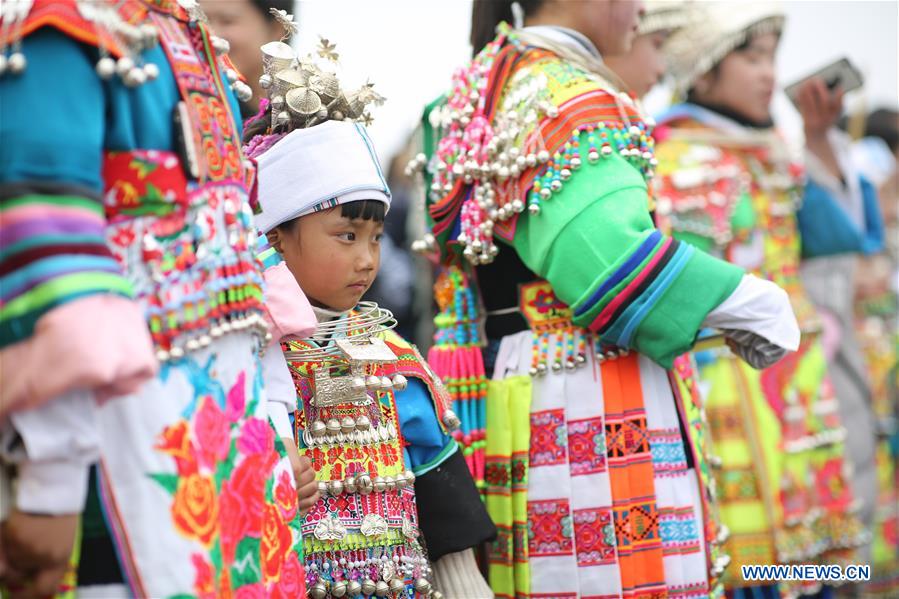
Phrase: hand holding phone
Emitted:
{"points": [[819, 96], [840, 73]]}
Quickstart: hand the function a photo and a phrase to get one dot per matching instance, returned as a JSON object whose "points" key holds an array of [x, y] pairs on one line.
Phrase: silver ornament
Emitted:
{"points": [[318, 591], [151, 71], [123, 66], [105, 68]]}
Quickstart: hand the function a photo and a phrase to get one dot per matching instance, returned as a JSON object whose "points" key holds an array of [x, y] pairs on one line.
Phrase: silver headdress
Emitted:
{"points": [[304, 93]]}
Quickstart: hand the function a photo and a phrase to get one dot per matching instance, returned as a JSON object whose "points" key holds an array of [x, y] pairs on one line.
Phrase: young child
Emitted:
{"points": [[395, 491]]}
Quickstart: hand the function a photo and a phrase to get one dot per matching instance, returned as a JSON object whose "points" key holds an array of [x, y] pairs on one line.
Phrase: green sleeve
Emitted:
{"points": [[595, 243]]}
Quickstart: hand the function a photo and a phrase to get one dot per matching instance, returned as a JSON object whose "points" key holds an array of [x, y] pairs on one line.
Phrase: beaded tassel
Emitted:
{"points": [[457, 359]]}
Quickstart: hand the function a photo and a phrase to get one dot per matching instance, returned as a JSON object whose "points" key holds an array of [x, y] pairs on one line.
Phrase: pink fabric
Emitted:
{"points": [[18, 214], [100, 343], [831, 333], [287, 310]]}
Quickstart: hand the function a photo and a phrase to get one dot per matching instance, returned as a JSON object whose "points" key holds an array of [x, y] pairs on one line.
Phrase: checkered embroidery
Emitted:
{"points": [[627, 437], [549, 528], [636, 526], [549, 440], [586, 446]]}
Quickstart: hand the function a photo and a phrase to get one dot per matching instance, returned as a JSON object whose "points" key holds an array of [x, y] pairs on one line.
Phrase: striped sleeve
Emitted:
{"points": [[52, 225], [52, 251], [596, 244]]}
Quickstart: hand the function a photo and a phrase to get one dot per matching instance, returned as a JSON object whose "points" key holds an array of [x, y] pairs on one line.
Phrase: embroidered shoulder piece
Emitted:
{"points": [[75, 19], [518, 123], [698, 187]]}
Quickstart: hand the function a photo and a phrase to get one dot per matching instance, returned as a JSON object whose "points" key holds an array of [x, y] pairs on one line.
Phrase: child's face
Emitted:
{"points": [[334, 259]]}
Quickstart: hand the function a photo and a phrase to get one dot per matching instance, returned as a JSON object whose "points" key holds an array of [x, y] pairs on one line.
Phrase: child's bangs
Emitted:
{"points": [[364, 210]]}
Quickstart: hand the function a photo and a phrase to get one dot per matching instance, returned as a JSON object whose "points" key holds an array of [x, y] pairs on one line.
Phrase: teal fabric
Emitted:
{"points": [[825, 229], [427, 446], [58, 117]]}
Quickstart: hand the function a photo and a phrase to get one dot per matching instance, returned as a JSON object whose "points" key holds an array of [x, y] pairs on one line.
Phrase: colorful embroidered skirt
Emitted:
{"points": [[783, 488], [588, 483], [197, 496]]}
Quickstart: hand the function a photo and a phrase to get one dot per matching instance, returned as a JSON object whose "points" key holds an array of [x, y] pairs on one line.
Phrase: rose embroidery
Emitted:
{"points": [[195, 510]]}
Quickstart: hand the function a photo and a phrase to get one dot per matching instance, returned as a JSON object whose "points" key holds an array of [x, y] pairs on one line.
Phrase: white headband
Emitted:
{"points": [[316, 168]]}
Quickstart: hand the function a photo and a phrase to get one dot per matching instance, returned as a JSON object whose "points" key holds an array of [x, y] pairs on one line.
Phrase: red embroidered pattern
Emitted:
{"points": [[550, 528], [595, 536], [586, 446], [548, 438], [627, 437]]}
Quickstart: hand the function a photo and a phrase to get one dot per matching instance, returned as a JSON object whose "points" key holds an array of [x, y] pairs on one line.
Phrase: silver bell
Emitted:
{"points": [[105, 68], [353, 588], [364, 484], [368, 587], [338, 589], [422, 585], [318, 591], [381, 588], [318, 428], [399, 382], [450, 420], [397, 586]]}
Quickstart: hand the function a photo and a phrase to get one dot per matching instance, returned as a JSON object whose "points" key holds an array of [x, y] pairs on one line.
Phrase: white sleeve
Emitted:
{"points": [[847, 193], [279, 390], [761, 307], [54, 446]]}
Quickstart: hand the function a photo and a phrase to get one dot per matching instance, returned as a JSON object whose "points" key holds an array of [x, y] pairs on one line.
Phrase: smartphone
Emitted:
{"points": [[840, 73]]}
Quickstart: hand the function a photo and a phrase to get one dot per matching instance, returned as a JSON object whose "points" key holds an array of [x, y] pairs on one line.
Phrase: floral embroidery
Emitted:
{"points": [[595, 536], [549, 528], [232, 493], [586, 446], [548, 438]]}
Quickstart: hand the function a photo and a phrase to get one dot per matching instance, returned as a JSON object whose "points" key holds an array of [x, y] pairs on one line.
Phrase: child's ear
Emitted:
{"points": [[274, 239]]}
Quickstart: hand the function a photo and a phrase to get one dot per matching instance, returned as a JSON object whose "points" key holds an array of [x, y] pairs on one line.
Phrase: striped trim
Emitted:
{"points": [[640, 308], [622, 272], [40, 271], [52, 251], [59, 288]]}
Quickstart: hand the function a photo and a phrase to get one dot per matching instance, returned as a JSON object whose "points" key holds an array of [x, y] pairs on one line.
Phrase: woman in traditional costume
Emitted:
{"points": [[399, 513], [128, 248], [589, 436], [727, 184]]}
